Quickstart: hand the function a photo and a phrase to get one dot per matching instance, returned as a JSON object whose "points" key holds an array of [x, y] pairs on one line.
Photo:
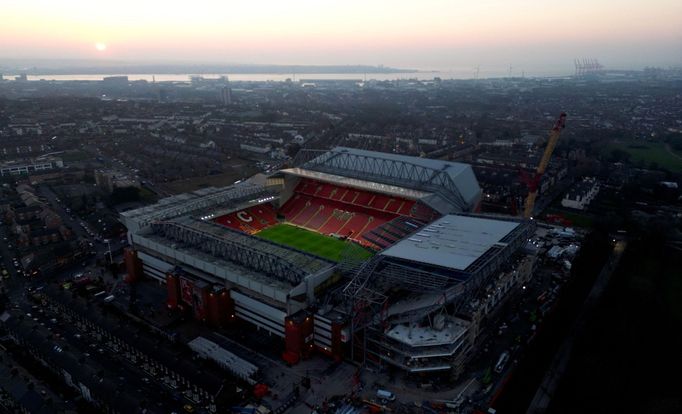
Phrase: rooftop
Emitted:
{"points": [[453, 241], [452, 180], [418, 336], [453, 168]]}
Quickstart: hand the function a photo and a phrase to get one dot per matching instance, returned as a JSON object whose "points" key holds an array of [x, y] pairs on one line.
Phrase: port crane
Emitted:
{"points": [[534, 181]]}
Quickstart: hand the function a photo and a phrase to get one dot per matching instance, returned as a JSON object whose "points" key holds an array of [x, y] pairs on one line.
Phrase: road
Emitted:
{"points": [[151, 358], [552, 378], [15, 282]]}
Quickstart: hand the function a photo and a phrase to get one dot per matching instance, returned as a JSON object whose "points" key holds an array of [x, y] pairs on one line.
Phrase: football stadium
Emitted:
{"points": [[366, 256]]}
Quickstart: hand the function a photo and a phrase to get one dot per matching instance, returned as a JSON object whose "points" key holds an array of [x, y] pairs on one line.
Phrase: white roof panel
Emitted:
{"points": [[452, 241]]}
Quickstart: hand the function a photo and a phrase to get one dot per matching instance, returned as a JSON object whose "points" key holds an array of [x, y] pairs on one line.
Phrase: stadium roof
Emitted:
{"points": [[206, 199], [453, 241], [454, 181], [453, 168], [277, 262], [357, 183]]}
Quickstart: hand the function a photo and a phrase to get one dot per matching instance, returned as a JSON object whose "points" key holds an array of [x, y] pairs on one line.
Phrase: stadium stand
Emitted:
{"points": [[250, 220], [346, 212], [368, 218], [336, 221], [319, 218]]}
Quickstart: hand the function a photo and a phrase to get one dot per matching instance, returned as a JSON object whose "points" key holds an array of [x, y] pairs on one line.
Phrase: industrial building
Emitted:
{"points": [[413, 274]]}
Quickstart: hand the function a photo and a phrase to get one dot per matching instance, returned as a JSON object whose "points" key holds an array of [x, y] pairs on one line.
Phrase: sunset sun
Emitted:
{"points": [[100, 47]]}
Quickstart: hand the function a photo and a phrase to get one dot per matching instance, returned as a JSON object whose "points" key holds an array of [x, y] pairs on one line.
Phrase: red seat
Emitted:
{"points": [[394, 205], [350, 195], [264, 213], [363, 199], [319, 218], [339, 193], [354, 226], [301, 216], [326, 191], [239, 220], [328, 209], [406, 208], [335, 222], [291, 203], [379, 201]]}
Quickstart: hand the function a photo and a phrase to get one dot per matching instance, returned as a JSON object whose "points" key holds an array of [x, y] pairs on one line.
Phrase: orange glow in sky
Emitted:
{"points": [[408, 33]]}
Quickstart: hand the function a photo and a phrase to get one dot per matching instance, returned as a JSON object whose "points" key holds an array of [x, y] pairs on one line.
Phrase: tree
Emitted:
{"points": [[293, 149]]}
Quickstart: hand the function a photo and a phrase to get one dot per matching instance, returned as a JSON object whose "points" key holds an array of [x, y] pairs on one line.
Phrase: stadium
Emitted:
{"points": [[373, 257]]}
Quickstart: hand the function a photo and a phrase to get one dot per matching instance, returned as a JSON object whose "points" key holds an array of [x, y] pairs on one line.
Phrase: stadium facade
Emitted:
{"points": [[416, 273]]}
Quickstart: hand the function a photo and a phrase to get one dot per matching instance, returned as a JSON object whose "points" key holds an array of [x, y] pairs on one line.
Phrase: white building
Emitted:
{"points": [[582, 194], [29, 166]]}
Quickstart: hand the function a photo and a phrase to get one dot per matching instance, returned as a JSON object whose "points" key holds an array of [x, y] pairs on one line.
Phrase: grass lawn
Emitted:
{"points": [[648, 152], [309, 241]]}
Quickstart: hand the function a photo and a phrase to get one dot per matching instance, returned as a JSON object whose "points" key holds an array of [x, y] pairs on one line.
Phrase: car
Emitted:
{"points": [[502, 362], [385, 395]]}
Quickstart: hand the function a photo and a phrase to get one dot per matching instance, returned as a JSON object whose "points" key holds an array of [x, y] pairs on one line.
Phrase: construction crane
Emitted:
{"points": [[534, 181]]}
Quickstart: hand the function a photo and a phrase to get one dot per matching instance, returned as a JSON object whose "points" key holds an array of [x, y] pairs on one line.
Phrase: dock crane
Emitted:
{"points": [[534, 181]]}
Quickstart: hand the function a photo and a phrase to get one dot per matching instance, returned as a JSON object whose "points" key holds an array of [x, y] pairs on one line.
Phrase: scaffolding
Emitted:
{"points": [[366, 293]]}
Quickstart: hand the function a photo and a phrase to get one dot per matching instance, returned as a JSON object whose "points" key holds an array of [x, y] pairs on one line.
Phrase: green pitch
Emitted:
{"points": [[309, 241]]}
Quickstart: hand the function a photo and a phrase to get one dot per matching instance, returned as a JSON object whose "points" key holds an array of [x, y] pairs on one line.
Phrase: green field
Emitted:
{"points": [[648, 153], [309, 241]]}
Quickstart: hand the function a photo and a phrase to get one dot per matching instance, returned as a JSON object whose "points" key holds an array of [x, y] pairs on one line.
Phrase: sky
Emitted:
{"points": [[419, 34]]}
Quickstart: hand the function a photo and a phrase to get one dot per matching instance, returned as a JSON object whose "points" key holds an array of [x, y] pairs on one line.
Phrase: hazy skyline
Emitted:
{"points": [[428, 34]]}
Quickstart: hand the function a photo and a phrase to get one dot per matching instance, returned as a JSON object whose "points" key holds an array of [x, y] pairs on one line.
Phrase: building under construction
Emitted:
{"points": [[417, 272]]}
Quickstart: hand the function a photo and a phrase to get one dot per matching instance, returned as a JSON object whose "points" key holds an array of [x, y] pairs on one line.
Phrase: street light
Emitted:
{"points": [[111, 259]]}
